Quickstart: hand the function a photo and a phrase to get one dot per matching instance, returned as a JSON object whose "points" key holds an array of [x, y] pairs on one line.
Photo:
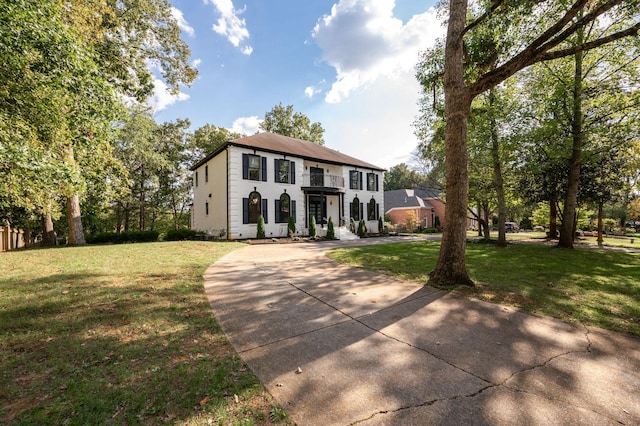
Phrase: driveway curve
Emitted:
{"points": [[337, 345]]}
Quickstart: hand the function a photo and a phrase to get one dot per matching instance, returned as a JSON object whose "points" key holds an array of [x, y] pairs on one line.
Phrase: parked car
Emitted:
{"points": [[511, 227]]}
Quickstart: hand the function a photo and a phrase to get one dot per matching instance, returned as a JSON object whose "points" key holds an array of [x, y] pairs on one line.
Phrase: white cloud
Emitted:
{"points": [[182, 23], [363, 41], [230, 25], [375, 124], [246, 125], [196, 62], [162, 98], [311, 91]]}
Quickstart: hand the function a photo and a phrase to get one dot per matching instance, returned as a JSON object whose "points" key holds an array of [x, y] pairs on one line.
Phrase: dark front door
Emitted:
{"points": [[317, 176], [317, 208]]}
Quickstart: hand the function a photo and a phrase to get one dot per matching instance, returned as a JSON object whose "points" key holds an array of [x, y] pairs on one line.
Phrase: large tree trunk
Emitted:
{"points": [[498, 180], [49, 237], [74, 221], [451, 268], [567, 233]]}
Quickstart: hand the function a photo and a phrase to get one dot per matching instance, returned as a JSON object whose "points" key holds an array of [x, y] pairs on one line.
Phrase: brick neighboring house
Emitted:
{"points": [[277, 177], [424, 203]]}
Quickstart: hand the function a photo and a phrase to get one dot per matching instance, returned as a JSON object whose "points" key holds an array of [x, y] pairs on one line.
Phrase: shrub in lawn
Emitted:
{"points": [[260, 233], [352, 225], [180, 234], [430, 231], [312, 227], [291, 227], [331, 233], [124, 237]]}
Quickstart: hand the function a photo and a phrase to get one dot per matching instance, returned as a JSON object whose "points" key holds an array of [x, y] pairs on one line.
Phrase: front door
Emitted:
{"points": [[318, 208]]}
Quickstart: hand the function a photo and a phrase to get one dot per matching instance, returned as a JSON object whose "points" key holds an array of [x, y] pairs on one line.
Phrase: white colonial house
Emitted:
{"points": [[277, 176]]}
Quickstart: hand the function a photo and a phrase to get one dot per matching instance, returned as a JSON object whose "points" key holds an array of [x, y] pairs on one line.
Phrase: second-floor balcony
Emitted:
{"points": [[322, 181]]}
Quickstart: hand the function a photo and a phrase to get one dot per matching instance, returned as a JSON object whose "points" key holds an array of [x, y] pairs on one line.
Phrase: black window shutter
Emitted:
{"points": [[264, 169], [245, 210], [292, 177], [265, 210], [361, 211], [277, 210], [245, 166], [293, 210], [368, 210], [276, 167], [377, 183], [377, 211], [360, 186]]}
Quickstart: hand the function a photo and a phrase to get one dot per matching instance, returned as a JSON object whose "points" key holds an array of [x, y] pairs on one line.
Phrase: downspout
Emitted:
{"points": [[228, 196]]}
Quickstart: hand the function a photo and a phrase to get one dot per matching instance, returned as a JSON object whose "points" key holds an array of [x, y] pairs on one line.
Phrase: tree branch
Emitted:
{"points": [[495, 4], [590, 45]]}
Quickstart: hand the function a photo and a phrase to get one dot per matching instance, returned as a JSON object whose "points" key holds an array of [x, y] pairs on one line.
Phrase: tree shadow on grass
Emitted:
{"points": [[91, 349]]}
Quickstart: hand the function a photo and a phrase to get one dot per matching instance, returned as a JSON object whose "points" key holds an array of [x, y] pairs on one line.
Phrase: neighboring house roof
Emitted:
{"points": [[271, 142], [409, 198]]}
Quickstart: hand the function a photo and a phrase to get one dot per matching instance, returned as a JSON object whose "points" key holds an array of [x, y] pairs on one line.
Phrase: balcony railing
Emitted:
{"points": [[323, 181]]}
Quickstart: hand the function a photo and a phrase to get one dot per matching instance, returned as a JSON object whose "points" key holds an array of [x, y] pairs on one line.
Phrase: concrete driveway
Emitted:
{"points": [[336, 345]]}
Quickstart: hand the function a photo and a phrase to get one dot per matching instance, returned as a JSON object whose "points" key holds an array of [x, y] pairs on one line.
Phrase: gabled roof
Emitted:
{"points": [[407, 198], [278, 144]]}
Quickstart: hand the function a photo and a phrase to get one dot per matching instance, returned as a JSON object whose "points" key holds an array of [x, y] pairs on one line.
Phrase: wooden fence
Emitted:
{"points": [[11, 238]]}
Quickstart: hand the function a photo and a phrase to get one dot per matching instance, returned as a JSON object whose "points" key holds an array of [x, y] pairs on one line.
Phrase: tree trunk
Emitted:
{"points": [[119, 217], [49, 237], [142, 201], [76, 232], [553, 217], [451, 268], [567, 233], [480, 220], [600, 224], [498, 180]]}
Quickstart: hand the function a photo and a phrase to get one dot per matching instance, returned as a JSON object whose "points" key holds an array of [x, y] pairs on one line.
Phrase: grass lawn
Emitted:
{"points": [[120, 334], [596, 287]]}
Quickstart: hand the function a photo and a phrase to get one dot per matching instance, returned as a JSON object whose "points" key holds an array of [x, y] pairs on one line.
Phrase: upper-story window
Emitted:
{"points": [[372, 182], [285, 171], [254, 167], [355, 179]]}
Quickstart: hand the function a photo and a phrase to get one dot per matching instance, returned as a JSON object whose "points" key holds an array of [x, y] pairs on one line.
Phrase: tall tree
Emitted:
{"points": [[544, 27], [283, 121], [64, 64], [401, 176], [208, 138]]}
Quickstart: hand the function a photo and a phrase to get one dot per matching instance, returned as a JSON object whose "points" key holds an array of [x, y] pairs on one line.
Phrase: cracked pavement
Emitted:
{"points": [[342, 346]]}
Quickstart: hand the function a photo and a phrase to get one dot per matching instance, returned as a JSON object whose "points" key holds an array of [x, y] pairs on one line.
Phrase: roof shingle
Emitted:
{"points": [[271, 142]]}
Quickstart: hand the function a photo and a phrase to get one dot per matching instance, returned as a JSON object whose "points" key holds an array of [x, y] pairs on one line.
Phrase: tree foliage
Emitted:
{"points": [[283, 121]]}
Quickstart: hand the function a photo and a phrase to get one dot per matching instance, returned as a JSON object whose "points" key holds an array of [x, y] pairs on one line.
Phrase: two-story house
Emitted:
{"points": [[277, 176]]}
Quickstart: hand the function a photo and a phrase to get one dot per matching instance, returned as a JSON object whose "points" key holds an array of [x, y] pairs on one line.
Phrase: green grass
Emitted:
{"points": [[590, 286], [119, 334]]}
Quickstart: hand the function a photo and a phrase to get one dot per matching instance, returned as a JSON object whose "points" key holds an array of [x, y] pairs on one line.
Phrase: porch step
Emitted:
{"points": [[344, 234]]}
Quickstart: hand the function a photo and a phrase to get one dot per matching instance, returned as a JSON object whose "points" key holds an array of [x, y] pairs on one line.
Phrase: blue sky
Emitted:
{"points": [[348, 64]]}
